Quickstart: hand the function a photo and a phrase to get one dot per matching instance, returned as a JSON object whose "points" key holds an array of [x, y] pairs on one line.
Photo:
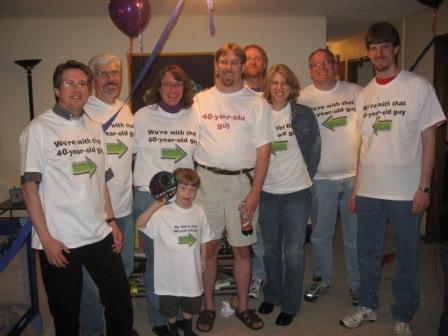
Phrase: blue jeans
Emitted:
{"points": [[329, 196], [91, 316], [372, 216], [283, 225], [257, 261], [142, 200]]}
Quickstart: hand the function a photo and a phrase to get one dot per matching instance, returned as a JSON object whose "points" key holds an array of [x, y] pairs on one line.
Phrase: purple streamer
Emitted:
{"points": [[158, 47], [211, 21]]}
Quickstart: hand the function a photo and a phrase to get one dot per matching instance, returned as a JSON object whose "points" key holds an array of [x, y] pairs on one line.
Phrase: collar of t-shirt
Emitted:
{"points": [[62, 112], [170, 108], [384, 81]]}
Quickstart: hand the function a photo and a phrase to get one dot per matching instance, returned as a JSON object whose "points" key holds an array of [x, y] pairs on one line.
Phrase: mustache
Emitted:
{"points": [[112, 83]]}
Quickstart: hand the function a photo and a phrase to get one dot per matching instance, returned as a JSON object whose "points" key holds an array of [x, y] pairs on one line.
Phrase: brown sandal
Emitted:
{"points": [[206, 318], [250, 319]]}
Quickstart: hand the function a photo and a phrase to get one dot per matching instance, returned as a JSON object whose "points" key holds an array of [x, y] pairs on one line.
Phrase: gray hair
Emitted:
{"points": [[103, 59]]}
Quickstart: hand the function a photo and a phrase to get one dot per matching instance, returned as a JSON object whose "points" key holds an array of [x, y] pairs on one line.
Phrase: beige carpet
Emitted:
{"points": [[321, 318]]}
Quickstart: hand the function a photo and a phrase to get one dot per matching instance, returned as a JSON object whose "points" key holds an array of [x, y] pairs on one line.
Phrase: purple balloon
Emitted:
{"points": [[130, 16]]}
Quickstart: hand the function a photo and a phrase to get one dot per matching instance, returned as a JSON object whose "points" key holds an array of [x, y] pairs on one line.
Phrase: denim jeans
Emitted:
{"points": [[283, 224], [64, 286], [91, 316], [329, 196], [257, 261], [372, 217], [142, 200]]}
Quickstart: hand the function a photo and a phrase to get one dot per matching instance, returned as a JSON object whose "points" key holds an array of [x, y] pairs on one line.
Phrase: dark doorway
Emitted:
{"points": [[437, 214]]}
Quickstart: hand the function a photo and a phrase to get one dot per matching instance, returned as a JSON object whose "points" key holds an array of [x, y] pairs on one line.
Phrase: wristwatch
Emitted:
{"points": [[426, 190], [110, 220]]}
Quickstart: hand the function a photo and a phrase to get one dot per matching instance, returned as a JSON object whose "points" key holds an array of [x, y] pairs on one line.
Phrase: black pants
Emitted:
{"points": [[64, 287]]}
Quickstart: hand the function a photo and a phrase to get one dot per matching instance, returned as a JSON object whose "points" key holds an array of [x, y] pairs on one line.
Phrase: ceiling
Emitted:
{"points": [[345, 17]]}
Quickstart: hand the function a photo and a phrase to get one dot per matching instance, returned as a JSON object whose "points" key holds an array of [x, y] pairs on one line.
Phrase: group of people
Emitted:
{"points": [[254, 151]]}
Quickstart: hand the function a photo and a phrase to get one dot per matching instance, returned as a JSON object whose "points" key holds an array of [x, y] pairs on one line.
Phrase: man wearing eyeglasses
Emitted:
{"points": [[232, 159], [63, 173], [333, 103], [117, 122]]}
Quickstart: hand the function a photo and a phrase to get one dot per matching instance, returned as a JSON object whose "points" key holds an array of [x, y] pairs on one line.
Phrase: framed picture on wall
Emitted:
{"points": [[198, 66]]}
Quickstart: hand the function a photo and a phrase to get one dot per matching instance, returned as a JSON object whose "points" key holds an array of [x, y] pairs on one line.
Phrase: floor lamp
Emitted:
{"points": [[28, 65]]}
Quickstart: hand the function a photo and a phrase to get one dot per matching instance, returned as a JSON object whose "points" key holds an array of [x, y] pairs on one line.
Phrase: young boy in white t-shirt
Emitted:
{"points": [[180, 231]]}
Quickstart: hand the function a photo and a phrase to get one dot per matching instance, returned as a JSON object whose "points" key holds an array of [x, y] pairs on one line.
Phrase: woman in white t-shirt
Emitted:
{"points": [[286, 199], [165, 138]]}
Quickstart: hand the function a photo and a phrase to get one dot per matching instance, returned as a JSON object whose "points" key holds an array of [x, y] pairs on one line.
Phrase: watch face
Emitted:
{"points": [[426, 190]]}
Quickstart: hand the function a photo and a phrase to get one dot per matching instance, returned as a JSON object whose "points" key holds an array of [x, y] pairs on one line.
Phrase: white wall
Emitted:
{"points": [[286, 40]]}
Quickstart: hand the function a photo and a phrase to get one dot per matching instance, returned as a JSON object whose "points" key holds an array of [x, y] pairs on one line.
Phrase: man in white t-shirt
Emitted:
{"points": [[333, 103], [117, 122], [232, 158], [64, 171], [398, 118], [254, 75]]}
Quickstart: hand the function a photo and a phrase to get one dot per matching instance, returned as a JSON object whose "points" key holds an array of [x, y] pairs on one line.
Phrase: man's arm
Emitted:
{"points": [[52, 247], [203, 257], [116, 233], [352, 199], [261, 169], [421, 199]]}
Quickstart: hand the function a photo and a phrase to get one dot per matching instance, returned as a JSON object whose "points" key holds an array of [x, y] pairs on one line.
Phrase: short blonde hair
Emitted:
{"points": [[290, 78]]}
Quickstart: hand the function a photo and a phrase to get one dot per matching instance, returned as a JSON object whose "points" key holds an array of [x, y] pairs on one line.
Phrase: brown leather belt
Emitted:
{"points": [[219, 171]]}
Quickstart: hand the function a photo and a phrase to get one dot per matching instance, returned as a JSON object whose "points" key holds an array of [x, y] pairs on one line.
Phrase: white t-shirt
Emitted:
{"points": [[69, 154], [119, 146], [287, 171], [392, 117], [178, 234], [335, 113], [163, 141], [232, 127]]}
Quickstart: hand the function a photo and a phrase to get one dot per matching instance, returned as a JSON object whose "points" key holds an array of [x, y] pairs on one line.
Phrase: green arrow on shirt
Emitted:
{"points": [[188, 240], [331, 122], [84, 167], [381, 125], [176, 154], [118, 148], [279, 146]]}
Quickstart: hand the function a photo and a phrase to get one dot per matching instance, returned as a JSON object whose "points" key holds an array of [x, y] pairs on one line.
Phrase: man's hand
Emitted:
{"points": [[53, 249], [352, 202], [118, 237], [420, 202], [251, 201]]}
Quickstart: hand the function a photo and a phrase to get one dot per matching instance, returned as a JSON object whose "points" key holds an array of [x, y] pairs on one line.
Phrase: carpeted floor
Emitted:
{"points": [[321, 318]]}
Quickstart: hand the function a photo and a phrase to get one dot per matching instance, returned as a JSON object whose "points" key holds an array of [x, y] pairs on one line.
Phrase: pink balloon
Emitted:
{"points": [[130, 16]]}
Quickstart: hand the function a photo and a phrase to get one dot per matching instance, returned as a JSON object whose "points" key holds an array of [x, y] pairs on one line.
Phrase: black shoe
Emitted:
{"points": [[284, 319], [161, 330], [266, 308]]}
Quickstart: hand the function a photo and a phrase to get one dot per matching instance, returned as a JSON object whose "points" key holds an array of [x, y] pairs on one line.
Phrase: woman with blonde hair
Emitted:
{"points": [[285, 200]]}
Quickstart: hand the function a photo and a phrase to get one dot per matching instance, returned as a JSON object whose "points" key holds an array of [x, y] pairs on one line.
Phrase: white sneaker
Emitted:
{"points": [[402, 329], [255, 288], [357, 315]]}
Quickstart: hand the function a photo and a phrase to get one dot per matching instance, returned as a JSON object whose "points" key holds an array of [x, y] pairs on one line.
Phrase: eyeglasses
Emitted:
{"points": [[232, 62], [106, 74], [324, 63], [174, 85], [71, 84]]}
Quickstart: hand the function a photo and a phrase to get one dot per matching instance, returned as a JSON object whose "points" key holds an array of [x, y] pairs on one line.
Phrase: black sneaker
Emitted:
{"points": [[315, 291], [161, 330]]}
